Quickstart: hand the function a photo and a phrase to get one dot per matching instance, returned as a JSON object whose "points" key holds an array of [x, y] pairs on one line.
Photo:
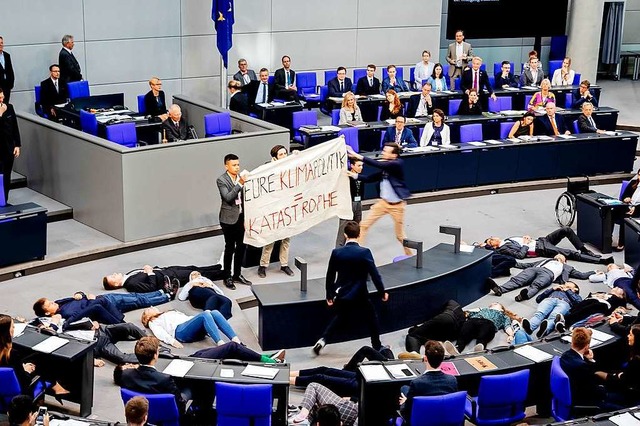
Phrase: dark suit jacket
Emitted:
{"points": [[431, 383], [400, 85], [579, 100], [49, 96], [141, 282], [229, 210], [252, 88], [513, 249], [509, 81], [147, 379], [69, 67], [334, 86], [543, 125], [352, 264], [238, 76], [394, 171], [582, 379], [406, 140], [466, 109], [9, 133], [584, 125], [466, 81], [174, 133], [151, 105], [526, 79], [280, 80], [7, 77], [363, 88], [239, 103]]}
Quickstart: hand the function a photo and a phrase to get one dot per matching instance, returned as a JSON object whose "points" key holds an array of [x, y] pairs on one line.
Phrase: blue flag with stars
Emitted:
{"points": [[222, 15]]}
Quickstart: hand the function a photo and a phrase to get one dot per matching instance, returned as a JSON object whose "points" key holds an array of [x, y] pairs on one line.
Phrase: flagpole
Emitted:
{"points": [[223, 84]]}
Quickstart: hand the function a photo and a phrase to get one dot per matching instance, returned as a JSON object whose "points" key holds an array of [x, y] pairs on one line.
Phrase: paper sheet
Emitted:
{"points": [[626, 419], [372, 373], [260, 372], [51, 344], [449, 368], [493, 142], [400, 371], [534, 354], [227, 372], [178, 367], [477, 143], [600, 335], [68, 422], [466, 248], [18, 328]]}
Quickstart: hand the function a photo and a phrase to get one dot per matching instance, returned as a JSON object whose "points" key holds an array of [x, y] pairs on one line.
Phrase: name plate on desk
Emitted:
{"points": [[481, 363]]}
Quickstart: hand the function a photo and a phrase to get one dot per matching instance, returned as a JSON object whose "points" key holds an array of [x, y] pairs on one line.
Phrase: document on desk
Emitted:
{"points": [[481, 363], [374, 373], [400, 371], [449, 368], [625, 419], [178, 367], [68, 422], [466, 248], [330, 128], [600, 335], [227, 373], [264, 104], [511, 89], [18, 328], [51, 344], [477, 143], [377, 97], [260, 372], [493, 142], [274, 103], [566, 136], [534, 354]]}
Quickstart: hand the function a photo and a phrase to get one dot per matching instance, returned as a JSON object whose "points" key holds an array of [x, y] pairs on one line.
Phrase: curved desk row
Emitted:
{"points": [[289, 318]]}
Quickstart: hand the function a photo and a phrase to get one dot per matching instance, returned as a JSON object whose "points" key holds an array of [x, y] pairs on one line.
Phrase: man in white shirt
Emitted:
{"points": [[425, 105], [459, 55]]}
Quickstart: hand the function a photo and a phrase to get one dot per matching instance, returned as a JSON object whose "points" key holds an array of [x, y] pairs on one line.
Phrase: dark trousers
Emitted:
{"points": [[233, 246], [368, 353], [535, 279], [354, 310], [108, 336], [480, 329], [441, 327], [547, 246], [342, 382], [213, 272], [585, 309], [6, 165], [207, 299], [230, 350], [501, 265], [104, 312]]}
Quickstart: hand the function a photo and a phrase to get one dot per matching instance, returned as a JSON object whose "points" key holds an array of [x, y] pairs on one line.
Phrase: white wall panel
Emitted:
{"points": [[250, 16], [31, 63], [382, 46], [407, 13], [206, 89], [200, 57], [330, 14], [311, 50], [255, 48]]}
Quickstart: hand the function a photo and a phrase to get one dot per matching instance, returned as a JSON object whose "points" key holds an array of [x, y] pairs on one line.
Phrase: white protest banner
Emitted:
{"points": [[286, 197]]}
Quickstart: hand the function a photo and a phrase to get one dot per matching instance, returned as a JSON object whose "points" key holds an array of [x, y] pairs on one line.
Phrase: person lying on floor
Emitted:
{"points": [[153, 278], [204, 294], [622, 277], [595, 303]]}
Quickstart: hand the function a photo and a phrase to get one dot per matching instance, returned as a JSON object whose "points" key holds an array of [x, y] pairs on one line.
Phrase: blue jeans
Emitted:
{"points": [[126, 302], [521, 337], [207, 322], [549, 308]]}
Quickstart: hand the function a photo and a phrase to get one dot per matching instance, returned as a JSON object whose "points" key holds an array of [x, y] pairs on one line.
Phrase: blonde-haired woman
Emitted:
{"points": [[350, 111], [175, 327]]}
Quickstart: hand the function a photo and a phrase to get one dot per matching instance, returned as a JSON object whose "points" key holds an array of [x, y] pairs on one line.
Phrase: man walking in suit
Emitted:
{"points": [[69, 66], [7, 77], [9, 142], [400, 135], [551, 124], [175, 128], [285, 81], [340, 84], [393, 189], [230, 185], [433, 382], [237, 100], [458, 56], [244, 74], [348, 293], [150, 278], [52, 92]]}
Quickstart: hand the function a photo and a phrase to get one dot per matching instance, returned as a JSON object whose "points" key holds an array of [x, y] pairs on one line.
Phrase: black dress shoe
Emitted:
{"points": [[589, 252], [606, 260], [522, 296], [229, 284], [242, 280], [286, 270], [175, 286], [166, 286]]}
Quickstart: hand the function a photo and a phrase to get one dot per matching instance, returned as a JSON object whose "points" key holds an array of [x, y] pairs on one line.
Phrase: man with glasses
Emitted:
{"points": [[285, 81], [368, 85], [52, 92], [154, 100], [505, 79], [532, 76], [400, 135], [583, 94], [244, 75]]}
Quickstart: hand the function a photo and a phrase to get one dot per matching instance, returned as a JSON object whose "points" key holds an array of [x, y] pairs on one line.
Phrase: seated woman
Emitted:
{"points": [[318, 395], [438, 80], [540, 99], [175, 327], [523, 127], [24, 369], [204, 294], [470, 106], [350, 110], [626, 383], [564, 75], [436, 132], [342, 382], [391, 107], [483, 325]]}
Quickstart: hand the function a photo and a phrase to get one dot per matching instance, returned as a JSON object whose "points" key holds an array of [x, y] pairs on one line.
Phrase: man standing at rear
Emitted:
{"points": [[348, 293], [69, 67], [7, 77]]}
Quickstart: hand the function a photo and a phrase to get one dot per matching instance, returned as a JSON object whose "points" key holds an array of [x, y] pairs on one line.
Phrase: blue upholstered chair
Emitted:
{"points": [[123, 134], [553, 66], [576, 129], [401, 257], [3, 201], [272, 79], [88, 123], [329, 75], [471, 132], [501, 399], [38, 105], [306, 83], [412, 78], [163, 409], [505, 128], [568, 100], [9, 385], [497, 68], [217, 124], [527, 99], [399, 73], [358, 73], [454, 106], [335, 117], [442, 410], [576, 78], [622, 188], [492, 81], [562, 408], [78, 89], [302, 118], [324, 94], [351, 137], [141, 107], [456, 83], [502, 103], [243, 405]]}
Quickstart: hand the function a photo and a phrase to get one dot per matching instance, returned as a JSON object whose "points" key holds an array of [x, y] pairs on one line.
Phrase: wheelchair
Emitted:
{"points": [[566, 202]]}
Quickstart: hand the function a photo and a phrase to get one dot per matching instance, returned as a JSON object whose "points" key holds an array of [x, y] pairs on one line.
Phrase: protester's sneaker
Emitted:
{"points": [[318, 346]]}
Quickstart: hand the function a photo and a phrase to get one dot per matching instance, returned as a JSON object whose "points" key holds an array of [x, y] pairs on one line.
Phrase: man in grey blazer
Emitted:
{"points": [[232, 220], [244, 75], [459, 56]]}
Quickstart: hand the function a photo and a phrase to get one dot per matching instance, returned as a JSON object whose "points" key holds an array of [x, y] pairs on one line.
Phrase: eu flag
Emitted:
{"points": [[222, 15]]}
